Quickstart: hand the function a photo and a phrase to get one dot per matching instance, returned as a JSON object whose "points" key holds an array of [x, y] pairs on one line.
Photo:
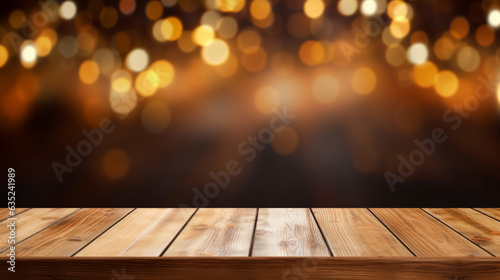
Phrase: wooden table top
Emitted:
{"points": [[251, 243], [252, 232]]}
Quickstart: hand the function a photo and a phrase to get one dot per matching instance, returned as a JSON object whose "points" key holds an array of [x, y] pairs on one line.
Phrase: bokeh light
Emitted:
{"points": [[4, 55], [468, 59], [459, 27], [137, 60], [347, 7], [446, 83], [147, 82], [216, 52], [368, 7], [28, 54], [494, 18], [425, 74], [67, 10], [89, 72], [314, 8], [363, 80], [165, 72], [203, 35], [417, 53]]}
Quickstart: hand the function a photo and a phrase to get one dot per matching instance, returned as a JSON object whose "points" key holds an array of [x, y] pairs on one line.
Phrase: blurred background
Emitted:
{"points": [[184, 83]]}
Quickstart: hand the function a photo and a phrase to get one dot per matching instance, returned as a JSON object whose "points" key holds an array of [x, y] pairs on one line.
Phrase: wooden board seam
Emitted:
{"points": [[178, 233], [119, 220], [395, 235], [457, 232]]}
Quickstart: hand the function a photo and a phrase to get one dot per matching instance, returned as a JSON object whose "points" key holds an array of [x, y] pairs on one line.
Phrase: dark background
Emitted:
{"points": [[164, 168]]}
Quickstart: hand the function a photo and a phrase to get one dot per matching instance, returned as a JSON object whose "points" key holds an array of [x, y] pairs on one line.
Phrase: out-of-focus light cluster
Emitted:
{"points": [[132, 50]]}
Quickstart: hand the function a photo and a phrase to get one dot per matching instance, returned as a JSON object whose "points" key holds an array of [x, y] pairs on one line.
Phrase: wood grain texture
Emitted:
{"points": [[286, 268], [5, 213], [480, 229], [71, 234], [32, 221], [492, 212], [355, 232], [424, 235], [216, 232], [288, 232], [145, 232]]}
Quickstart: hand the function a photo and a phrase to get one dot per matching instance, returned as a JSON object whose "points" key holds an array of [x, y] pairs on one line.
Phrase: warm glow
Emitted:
{"points": [[468, 59], [227, 27], [254, 61], [266, 100], [228, 68], [147, 82], [203, 35], [28, 54], [459, 27], [494, 18], [311, 52], [347, 7], [165, 72], [444, 48], [425, 74], [121, 84], [108, 17], [154, 10], [260, 9], [89, 72], [177, 27], [4, 55], [185, 42], [446, 83], [43, 46], [395, 55], [325, 89], [137, 60], [368, 7], [398, 10], [215, 52], [248, 41], [230, 6], [417, 53], [314, 8], [282, 63], [498, 94], [485, 35], [400, 28], [363, 81], [67, 10]]}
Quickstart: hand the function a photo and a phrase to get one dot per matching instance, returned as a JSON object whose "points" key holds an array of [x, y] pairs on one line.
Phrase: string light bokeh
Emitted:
{"points": [[187, 76]]}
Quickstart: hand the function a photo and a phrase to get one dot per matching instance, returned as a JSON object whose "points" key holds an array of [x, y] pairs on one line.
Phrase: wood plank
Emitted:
{"points": [[288, 232], [32, 221], [480, 229], [145, 232], [216, 232], [355, 232], [492, 212], [5, 213], [424, 235], [353, 268], [71, 234]]}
